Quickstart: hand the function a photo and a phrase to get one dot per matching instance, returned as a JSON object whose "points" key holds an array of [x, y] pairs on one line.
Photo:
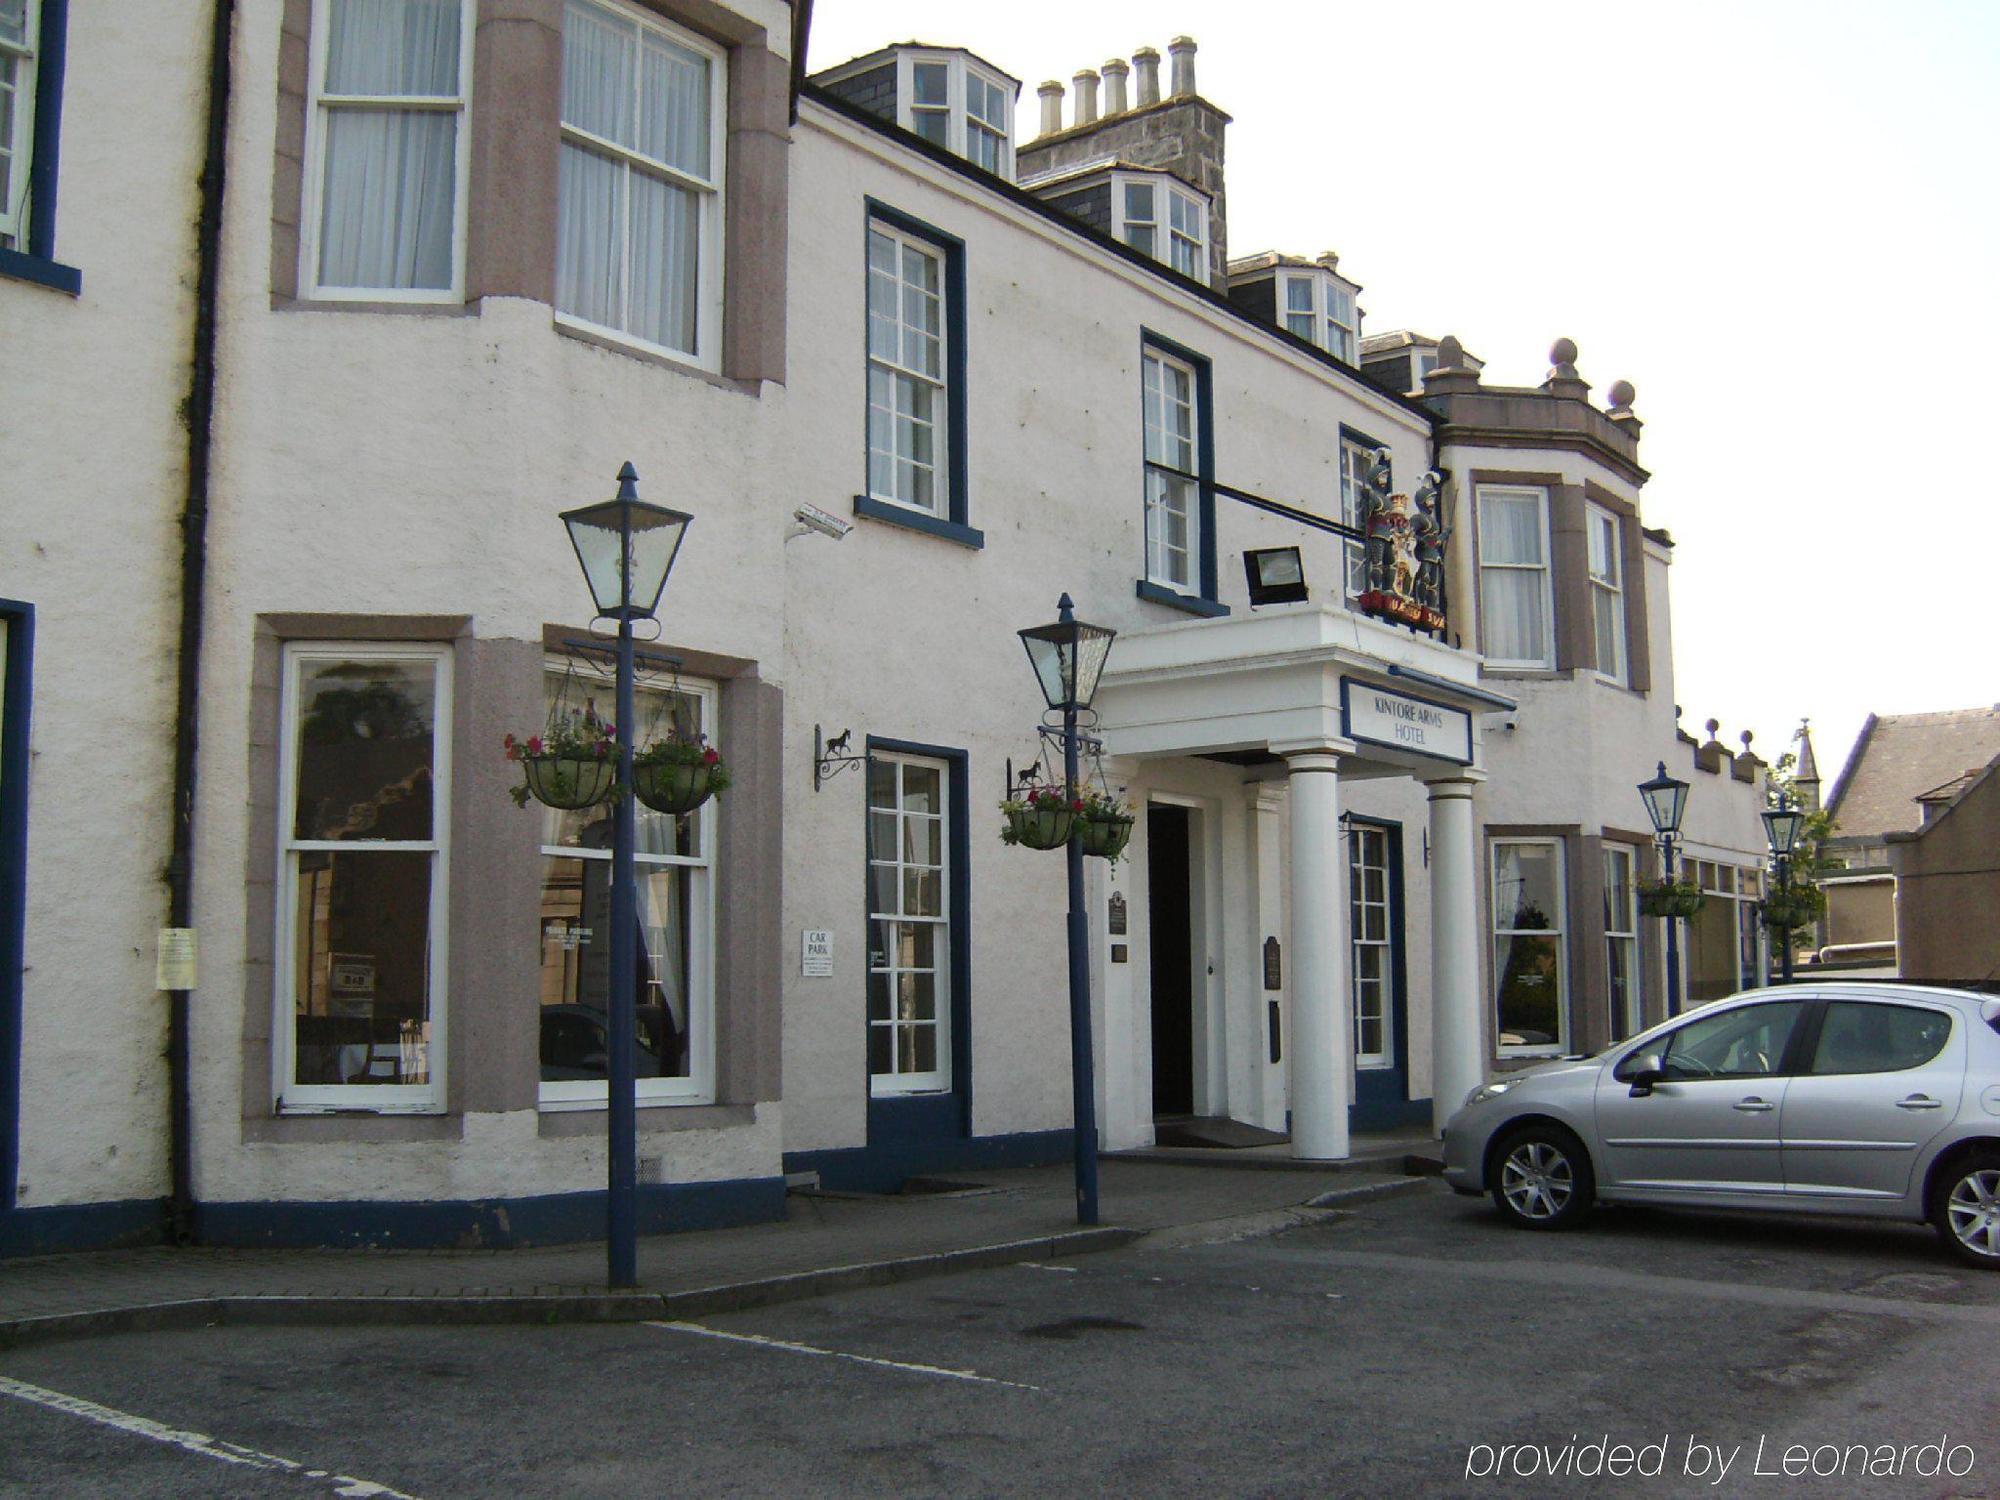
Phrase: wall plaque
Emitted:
{"points": [[1117, 914], [1274, 978]]}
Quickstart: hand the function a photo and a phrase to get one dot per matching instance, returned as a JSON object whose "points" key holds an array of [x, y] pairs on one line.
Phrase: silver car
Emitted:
{"points": [[1881, 1100]]}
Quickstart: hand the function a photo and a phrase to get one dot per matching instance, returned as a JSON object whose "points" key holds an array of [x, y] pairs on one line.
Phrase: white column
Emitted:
{"points": [[1322, 1039], [1458, 1021]]}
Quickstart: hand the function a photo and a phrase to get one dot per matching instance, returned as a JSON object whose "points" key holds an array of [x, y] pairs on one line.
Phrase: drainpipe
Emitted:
{"points": [[198, 413]]}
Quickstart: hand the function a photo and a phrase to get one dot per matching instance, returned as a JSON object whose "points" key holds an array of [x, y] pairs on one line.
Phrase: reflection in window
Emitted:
{"points": [[1745, 1043], [1859, 1037], [1368, 937], [909, 1013], [1529, 962]]}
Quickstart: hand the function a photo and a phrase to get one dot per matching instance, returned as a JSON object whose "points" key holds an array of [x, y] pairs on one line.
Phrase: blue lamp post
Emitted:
{"points": [[626, 548], [1068, 658], [1781, 829], [1666, 800]]}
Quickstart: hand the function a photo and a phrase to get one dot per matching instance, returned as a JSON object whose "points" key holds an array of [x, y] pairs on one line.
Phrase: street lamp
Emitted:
{"points": [[1666, 800], [1068, 658], [1781, 828], [626, 548]]}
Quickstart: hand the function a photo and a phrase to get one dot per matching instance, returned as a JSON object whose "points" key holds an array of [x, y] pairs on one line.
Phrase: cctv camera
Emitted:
{"points": [[824, 522]]}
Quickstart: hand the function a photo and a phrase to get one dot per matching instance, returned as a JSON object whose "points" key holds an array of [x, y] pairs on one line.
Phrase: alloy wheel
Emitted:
{"points": [[1538, 1182], [1973, 1211]]}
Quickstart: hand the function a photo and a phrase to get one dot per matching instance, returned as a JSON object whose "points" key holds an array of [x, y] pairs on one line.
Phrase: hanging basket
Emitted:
{"points": [[1104, 836], [569, 783], [671, 787], [1680, 899], [1788, 913], [1039, 827]]}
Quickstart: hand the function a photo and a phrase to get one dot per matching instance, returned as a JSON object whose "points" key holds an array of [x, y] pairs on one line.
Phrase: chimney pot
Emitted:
{"points": [[1147, 61], [1052, 97], [1086, 97], [1115, 71], [1181, 49]]}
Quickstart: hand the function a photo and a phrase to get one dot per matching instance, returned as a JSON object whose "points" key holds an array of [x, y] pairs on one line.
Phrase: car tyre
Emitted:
{"points": [[1965, 1210], [1542, 1178]]}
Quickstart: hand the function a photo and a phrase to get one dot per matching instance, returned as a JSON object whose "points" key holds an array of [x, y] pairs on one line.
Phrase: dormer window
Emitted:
{"points": [[1319, 308], [954, 103], [1158, 217]]}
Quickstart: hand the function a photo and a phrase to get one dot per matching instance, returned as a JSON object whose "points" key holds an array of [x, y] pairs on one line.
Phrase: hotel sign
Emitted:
{"points": [[1378, 716]]}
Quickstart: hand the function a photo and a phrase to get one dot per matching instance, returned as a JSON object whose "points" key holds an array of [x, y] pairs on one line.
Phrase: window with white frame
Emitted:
{"points": [[20, 35], [1356, 458], [1157, 217], [1530, 960], [907, 397], [1607, 593], [386, 215], [909, 925], [1516, 610], [364, 809], [639, 211], [1368, 939], [674, 857], [952, 102], [1319, 308], [1621, 938], [1173, 515]]}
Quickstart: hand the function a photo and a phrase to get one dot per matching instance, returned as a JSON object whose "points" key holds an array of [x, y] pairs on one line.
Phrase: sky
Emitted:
{"points": [[1779, 221]]}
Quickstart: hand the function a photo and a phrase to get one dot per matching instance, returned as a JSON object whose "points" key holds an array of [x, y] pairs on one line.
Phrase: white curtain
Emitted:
{"points": [[665, 222], [1512, 610], [673, 107], [389, 204], [590, 249]]}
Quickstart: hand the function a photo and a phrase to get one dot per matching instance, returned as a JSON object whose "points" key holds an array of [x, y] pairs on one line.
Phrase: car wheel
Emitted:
{"points": [[1966, 1210], [1542, 1178]]}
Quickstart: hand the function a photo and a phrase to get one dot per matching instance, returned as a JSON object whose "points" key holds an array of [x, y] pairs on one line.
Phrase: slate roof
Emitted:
{"points": [[1899, 757]]}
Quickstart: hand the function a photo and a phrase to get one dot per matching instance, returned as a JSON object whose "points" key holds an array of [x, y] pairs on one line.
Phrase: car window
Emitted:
{"points": [[1744, 1043], [1862, 1036]]}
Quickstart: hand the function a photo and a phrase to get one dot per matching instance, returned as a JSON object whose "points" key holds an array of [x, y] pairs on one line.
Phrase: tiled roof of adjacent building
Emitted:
{"points": [[1899, 757]]}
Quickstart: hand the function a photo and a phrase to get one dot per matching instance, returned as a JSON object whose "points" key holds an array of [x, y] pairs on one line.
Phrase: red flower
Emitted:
{"points": [[709, 757], [535, 745]]}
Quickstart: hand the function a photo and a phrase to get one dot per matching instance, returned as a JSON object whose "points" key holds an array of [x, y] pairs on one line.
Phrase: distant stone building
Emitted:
{"points": [[1948, 881]]}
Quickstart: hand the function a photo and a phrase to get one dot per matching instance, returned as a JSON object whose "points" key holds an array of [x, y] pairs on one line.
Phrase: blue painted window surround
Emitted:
{"points": [[38, 109], [915, 301], [1200, 598]]}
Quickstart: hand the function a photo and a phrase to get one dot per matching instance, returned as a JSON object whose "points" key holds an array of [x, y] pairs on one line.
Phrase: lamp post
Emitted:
{"points": [[626, 548], [1666, 799], [1781, 828], [1068, 658]]}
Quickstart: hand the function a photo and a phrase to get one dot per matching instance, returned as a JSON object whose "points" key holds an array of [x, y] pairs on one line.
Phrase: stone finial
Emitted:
{"points": [[1147, 61], [1746, 737], [1086, 97], [1051, 94], [1451, 353], [1712, 726], [1623, 394], [1115, 71], [1562, 354], [1181, 49]]}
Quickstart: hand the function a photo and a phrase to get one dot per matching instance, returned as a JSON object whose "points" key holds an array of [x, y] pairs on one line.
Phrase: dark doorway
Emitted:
{"points": [[1169, 920]]}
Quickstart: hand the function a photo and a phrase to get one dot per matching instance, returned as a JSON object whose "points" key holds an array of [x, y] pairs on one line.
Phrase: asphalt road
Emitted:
{"points": [[1370, 1354]]}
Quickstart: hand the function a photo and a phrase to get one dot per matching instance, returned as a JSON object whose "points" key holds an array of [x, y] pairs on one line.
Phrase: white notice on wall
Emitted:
{"points": [[816, 955], [174, 968]]}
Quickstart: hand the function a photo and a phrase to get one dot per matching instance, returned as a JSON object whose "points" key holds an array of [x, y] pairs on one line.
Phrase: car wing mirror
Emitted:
{"points": [[1642, 1072]]}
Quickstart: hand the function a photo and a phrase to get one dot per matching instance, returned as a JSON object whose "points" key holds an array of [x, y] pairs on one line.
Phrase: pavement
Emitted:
{"points": [[826, 1243]]}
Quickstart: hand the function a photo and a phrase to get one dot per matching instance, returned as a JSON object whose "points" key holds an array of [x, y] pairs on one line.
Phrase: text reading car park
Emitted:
{"points": [[1715, 1462]]}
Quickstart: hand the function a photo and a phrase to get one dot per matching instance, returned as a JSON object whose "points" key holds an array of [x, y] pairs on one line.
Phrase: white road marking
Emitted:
{"points": [[1035, 1265], [345, 1485], [859, 1359]]}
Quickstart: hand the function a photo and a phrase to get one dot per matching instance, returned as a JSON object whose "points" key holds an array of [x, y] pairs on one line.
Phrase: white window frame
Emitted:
{"points": [[711, 192], [1324, 329], [1547, 662], [386, 1098], [1606, 564], [1558, 931], [939, 1079], [1622, 928], [20, 150], [1168, 480], [941, 494], [558, 1095], [319, 104], [957, 66], [1354, 461], [1359, 836], [1165, 188]]}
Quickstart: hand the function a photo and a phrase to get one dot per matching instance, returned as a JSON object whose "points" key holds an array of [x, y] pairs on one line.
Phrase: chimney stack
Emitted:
{"points": [[1052, 97], [1086, 97], [1147, 61], [1181, 49], [1115, 71]]}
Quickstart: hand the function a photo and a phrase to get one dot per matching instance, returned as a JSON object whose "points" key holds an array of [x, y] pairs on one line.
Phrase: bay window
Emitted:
{"points": [[908, 399], [364, 808], [640, 181], [674, 1039], [1319, 307], [1607, 593], [1173, 515], [1530, 959], [909, 925], [954, 103], [386, 213], [1516, 608], [1158, 217]]}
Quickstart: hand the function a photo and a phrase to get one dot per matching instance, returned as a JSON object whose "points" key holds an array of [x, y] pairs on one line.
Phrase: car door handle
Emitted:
{"points": [[1920, 1101], [1753, 1106]]}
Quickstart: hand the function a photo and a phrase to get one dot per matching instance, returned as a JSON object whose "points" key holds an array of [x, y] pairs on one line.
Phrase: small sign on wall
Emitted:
{"points": [[1118, 917], [173, 968], [816, 953]]}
